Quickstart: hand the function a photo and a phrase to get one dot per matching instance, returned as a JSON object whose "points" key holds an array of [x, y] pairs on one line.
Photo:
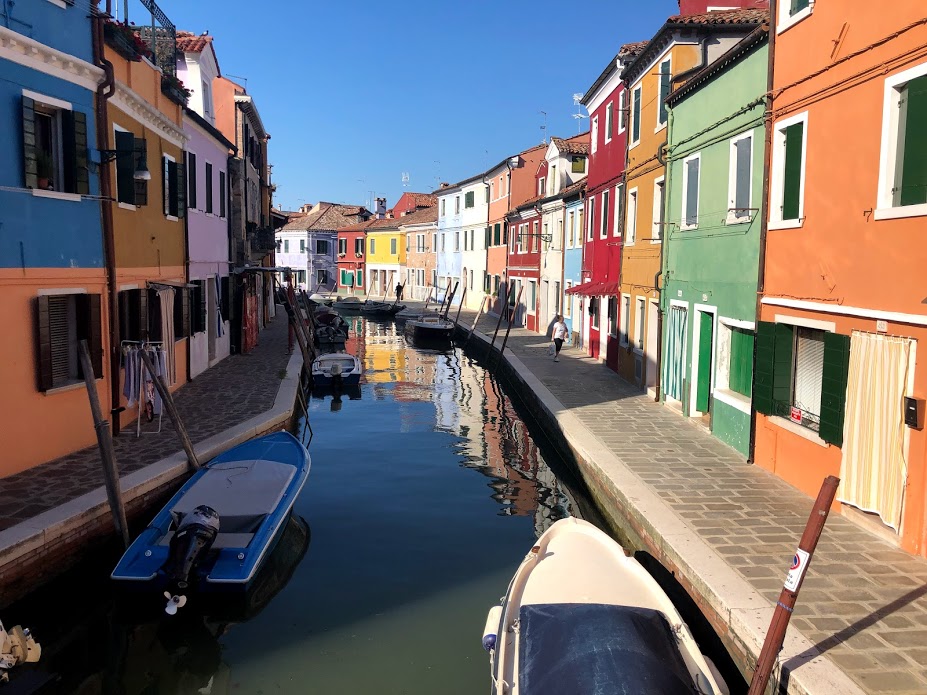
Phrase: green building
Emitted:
{"points": [[714, 208]]}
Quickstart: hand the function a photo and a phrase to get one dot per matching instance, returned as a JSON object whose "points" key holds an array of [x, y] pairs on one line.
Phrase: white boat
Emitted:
{"points": [[429, 329], [320, 299], [336, 368], [582, 617], [348, 304]]}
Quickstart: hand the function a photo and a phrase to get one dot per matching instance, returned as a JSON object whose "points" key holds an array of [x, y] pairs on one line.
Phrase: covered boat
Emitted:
{"points": [[581, 617], [350, 305], [336, 368], [432, 329], [217, 530], [372, 308]]}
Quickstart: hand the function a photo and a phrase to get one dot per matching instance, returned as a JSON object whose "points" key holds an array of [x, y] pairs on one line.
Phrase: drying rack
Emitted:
{"points": [[143, 344]]}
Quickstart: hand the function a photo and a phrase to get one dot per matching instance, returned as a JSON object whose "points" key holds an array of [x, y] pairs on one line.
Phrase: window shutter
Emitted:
{"points": [[664, 88], [165, 184], [30, 163], [772, 373], [74, 149], [222, 194], [782, 373], [43, 325], [224, 304], [200, 308], [191, 180], [742, 175], [89, 328], [797, 6], [184, 312], [914, 164], [636, 115], [125, 167], [142, 314], [208, 182], [180, 189], [692, 167], [834, 387], [141, 155], [791, 193]]}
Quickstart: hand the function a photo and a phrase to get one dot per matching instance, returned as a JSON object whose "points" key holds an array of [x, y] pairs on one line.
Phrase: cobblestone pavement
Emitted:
{"points": [[233, 391], [863, 602]]}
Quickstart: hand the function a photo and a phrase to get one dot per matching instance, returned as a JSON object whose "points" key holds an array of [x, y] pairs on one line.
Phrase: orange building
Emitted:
{"points": [[839, 389]]}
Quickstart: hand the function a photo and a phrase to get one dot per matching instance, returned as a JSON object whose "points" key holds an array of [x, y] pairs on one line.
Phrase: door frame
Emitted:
{"points": [[693, 361], [652, 343]]}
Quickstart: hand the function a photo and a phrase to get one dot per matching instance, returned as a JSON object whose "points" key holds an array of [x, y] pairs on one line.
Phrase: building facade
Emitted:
{"points": [[420, 229], [386, 257], [352, 265], [574, 206]]}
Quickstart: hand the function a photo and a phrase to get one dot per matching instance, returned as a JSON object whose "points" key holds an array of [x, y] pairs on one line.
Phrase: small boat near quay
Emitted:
{"points": [[429, 329], [329, 336], [217, 530], [350, 305], [336, 368], [385, 309], [581, 617]]}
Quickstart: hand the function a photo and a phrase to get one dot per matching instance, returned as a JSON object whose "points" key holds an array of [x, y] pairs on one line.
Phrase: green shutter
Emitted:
{"points": [[782, 373], [140, 151], [791, 187], [30, 163], [741, 361], [43, 345], [773, 369], [834, 387], [181, 189], [664, 88], [703, 388], [914, 163], [797, 6], [125, 167], [191, 180], [74, 149], [636, 116]]}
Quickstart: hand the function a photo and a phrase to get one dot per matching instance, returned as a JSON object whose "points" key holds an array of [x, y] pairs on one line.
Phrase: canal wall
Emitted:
{"points": [[48, 544], [738, 614]]}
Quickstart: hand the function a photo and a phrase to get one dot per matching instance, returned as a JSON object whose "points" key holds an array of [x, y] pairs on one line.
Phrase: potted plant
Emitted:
{"points": [[174, 89], [45, 170], [125, 40]]}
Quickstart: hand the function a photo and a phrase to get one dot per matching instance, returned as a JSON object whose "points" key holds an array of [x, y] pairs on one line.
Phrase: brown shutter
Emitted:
{"points": [[125, 167], [181, 189], [44, 357], [142, 314], [140, 155], [185, 300], [89, 328], [30, 163]]}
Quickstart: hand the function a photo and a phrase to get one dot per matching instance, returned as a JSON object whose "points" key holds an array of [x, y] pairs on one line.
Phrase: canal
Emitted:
{"points": [[427, 488]]}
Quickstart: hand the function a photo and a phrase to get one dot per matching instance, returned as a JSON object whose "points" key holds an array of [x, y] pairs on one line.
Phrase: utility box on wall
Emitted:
{"points": [[914, 412]]}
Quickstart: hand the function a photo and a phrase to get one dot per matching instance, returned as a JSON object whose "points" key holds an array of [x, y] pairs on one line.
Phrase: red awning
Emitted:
{"points": [[595, 289]]}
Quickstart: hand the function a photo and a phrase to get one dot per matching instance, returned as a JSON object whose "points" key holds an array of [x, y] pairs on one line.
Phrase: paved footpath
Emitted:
{"points": [[233, 391], [863, 603]]}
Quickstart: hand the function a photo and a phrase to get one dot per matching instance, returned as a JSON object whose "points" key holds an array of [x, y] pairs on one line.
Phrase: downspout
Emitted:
{"points": [[661, 274], [105, 91], [186, 258], [767, 157]]}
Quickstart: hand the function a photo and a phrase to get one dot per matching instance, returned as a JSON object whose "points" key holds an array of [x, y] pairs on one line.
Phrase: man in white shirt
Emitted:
{"points": [[559, 334]]}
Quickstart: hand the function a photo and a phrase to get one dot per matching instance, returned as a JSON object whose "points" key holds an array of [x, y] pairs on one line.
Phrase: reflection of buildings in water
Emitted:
{"points": [[383, 358]]}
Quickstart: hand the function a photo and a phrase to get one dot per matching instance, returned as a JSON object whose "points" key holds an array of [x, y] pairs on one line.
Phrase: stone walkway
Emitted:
{"points": [[863, 603], [233, 391]]}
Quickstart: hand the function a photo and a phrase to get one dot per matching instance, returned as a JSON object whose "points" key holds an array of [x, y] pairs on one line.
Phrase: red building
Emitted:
{"points": [[524, 256], [351, 255], [410, 202], [607, 103]]}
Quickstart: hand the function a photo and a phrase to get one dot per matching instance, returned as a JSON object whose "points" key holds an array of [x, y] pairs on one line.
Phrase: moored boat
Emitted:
{"points": [[372, 308], [216, 531], [348, 304], [429, 329], [336, 368], [582, 617]]}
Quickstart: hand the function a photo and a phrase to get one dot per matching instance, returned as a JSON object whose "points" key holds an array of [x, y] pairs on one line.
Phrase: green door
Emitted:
{"points": [[706, 326]]}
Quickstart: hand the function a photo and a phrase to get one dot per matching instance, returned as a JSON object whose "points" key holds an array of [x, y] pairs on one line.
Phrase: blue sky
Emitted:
{"points": [[356, 92]]}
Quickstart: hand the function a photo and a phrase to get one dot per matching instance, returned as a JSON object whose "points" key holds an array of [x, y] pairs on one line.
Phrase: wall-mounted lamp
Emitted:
{"points": [[141, 167]]}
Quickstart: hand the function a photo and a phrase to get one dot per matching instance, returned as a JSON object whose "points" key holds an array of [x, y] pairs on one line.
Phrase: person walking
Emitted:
{"points": [[399, 292], [559, 334]]}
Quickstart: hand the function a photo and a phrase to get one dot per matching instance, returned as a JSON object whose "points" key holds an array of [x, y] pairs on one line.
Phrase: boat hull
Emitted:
{"points": [[428, 334]]}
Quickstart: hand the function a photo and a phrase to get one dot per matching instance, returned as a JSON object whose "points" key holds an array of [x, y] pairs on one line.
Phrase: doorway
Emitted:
{"points": [[211, 311], [653, 342], [703, 343]]}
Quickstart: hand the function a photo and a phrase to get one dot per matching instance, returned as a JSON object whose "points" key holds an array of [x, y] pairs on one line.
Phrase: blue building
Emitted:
{"points": [[573, 263], [52, 271]]}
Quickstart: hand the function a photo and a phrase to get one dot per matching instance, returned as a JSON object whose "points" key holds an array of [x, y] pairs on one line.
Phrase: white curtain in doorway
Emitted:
{"points": [[873, 471], [674, 368], [166, 298]]}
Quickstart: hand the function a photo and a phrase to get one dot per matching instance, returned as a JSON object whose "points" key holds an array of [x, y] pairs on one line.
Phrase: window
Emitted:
{"points": [[739, 178], [665, 80], [175, 187], [619, 210], [613, 317], [487, 191], [740, 373], [196, 309], [903, 163], [456, 241], [434, 242], [392, 246], [207, 99], [55, 145], [208, 188], [465, 238], [492, 189], [578, 165], [659, 190], [534, 237], [443, 201], [64, 320], [690, 186], [487, 237], [457, 205], [609, 121], [568, 301], [801, 374], [302, 246], [472, 239], [471, 280], [595, 134], [631, 227], [360, 278], [594, 312], [639, 323], [791, 12], [636, 115], [622, 110], [359, 246], [468, 200], [373, 246], [546, 232], [321, 246], [443, 239], [571, 222], [787, 192], [557, 298], [191, 180], [590, 217], [286, 246], [542, 186], [321, 277], [532, 296], [553, 179], [342, 246], [222, 194], [131, 151], [603, 226], [558, 240]]}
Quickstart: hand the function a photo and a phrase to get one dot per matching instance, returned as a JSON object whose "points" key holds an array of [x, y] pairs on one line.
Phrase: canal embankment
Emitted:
{"points": [[51, 514], [725, 529]]}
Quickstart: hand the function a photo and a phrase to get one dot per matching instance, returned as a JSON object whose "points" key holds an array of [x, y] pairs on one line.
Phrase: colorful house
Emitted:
{"points": [[52, 266], [711, 241], [421, 230], [684, 45], [524, 263], [474, 221], [386, 257], [352, 247], [574, 207], [839, 389], [207, 153], [511, 183], [607, 103]]}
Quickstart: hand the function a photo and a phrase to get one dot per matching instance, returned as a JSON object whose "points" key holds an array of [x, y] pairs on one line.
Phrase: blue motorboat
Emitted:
{"points": [[219, 528]]}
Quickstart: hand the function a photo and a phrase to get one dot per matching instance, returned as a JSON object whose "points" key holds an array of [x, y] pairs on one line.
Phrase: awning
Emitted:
{"points": [[260, 269], [178, 284], [596, 289]]}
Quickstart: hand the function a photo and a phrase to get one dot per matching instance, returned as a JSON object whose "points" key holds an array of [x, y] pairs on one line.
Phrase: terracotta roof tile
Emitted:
{"points": [[738, 16], [420, 216], [329, 216], [189, 42], [630, 50], [578, 144]]}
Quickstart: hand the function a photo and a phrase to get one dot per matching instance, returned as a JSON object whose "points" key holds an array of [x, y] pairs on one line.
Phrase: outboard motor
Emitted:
{"points": [[195, 535], [335, 371]]}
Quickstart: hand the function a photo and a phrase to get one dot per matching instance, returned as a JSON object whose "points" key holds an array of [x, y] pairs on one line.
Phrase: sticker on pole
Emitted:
{"points": [[797, 570]]}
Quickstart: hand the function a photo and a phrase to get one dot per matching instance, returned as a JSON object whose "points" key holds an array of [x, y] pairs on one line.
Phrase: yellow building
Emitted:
{"points": [[386, 257], [684, 45]]}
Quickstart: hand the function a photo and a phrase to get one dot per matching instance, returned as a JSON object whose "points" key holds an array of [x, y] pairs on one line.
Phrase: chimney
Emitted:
{"points": [[380, 208]]}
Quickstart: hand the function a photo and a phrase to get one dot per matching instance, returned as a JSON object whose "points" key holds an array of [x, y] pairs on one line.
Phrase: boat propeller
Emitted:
{"points": [[174, 602]]}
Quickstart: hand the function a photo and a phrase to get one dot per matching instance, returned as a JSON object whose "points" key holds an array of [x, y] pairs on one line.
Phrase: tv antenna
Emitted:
{"points": [[405, 179], [579, 115], [544, 127]]}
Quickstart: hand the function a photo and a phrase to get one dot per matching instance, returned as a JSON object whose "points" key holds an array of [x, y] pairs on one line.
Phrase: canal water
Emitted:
{"points": [[427, 488]]}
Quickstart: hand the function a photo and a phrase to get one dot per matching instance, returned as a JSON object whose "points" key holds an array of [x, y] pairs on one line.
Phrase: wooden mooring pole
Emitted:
{"points": [[511, 320], [105, 443], [793, 581], [476, 318], [168, 402], [502, 312], [450, 299], [463, 298]]}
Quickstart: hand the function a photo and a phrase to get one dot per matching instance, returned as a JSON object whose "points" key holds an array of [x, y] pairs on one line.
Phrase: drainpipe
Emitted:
{"points": [[767, 156], [104, 92], [703, 61], [659, 278]]}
